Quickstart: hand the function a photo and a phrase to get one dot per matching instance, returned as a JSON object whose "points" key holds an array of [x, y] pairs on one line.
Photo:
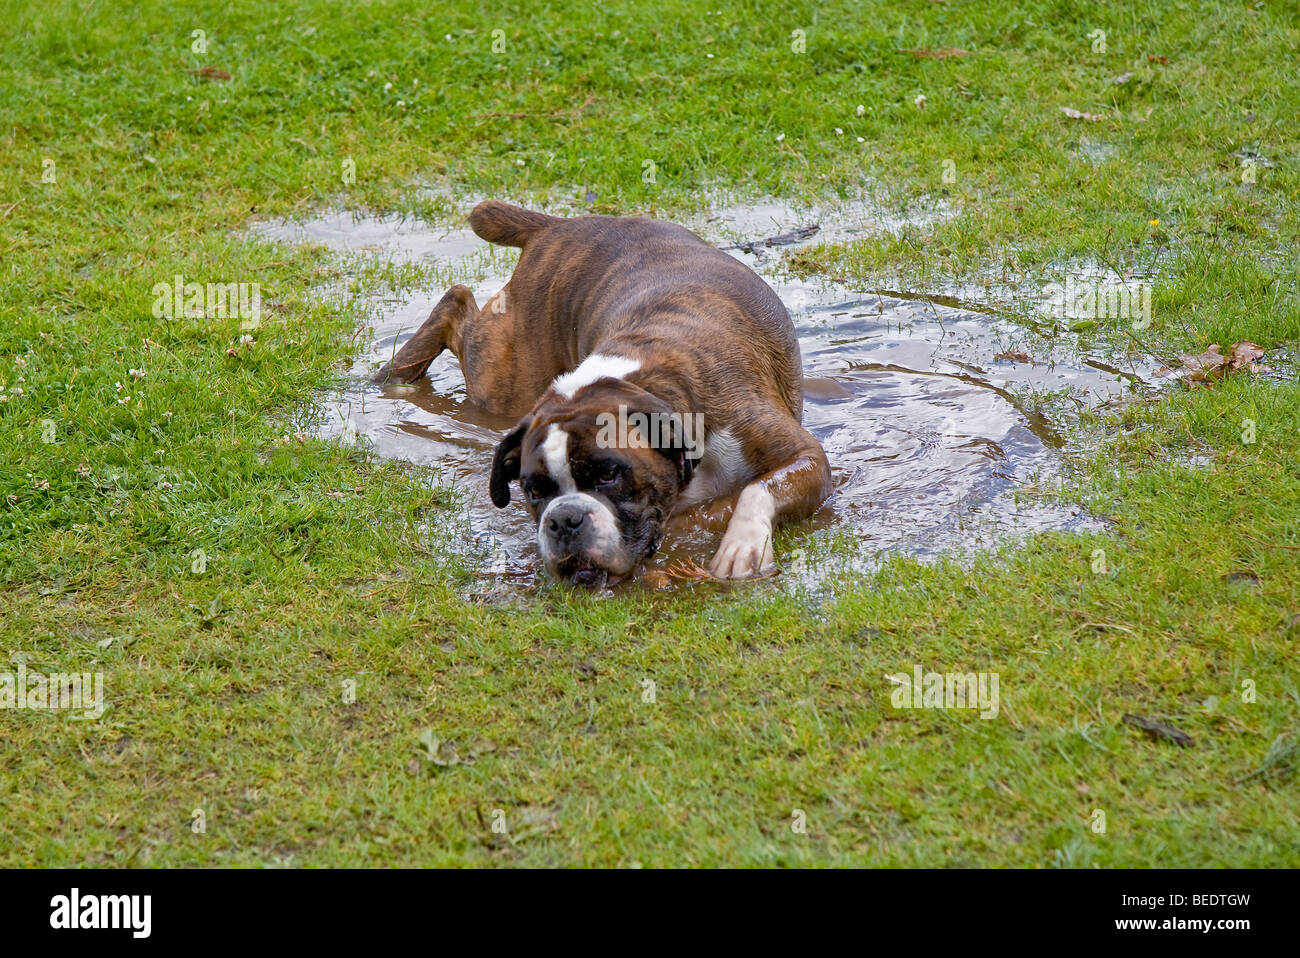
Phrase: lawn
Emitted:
{"points": [[293, 673]]}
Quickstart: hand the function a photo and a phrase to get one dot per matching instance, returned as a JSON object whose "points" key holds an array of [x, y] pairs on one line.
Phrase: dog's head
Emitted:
{"points": [[599, 472]]}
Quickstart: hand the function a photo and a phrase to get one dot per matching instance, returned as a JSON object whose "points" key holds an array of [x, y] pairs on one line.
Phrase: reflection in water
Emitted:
{"points": [[927, 430]]}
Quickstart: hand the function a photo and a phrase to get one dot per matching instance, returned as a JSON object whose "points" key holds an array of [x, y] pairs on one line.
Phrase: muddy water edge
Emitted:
{"points": [[937, 414]]}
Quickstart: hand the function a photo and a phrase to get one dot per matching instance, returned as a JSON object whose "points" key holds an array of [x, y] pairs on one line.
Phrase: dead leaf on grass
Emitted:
{"points": [[686, 571], [785, 239], [211, 73], [1212, 364], [1158, 729]]}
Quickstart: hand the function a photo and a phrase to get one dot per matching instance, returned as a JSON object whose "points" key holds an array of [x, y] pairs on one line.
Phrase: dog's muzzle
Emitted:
{"points": [[580, 542]]}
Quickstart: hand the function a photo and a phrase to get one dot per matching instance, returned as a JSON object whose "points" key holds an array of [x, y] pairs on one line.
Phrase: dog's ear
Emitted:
{"points": [[672, 442], [685, 464], [505, 464]]}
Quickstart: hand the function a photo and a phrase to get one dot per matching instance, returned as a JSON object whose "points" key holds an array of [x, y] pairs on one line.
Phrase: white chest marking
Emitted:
{"points": [[594, 367], [721, 470]]}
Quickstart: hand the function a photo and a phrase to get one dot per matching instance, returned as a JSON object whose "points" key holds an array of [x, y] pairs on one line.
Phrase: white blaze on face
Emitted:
{"points": [[606, 548], [555, 453], [594, 367]]}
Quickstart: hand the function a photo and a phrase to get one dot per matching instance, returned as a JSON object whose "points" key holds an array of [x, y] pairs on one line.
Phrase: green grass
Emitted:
{"points": [[225, 688]]}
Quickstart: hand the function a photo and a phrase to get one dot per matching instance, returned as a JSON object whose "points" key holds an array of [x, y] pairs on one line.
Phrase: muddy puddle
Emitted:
{"points": [[935, 413]]}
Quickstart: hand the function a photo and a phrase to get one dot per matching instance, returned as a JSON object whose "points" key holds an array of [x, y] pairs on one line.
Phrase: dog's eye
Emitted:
{"points": [[536, 490], [608, 473]]}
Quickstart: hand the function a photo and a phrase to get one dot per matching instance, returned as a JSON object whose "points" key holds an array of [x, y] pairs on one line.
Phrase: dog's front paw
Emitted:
{"points": [[747, 545]]}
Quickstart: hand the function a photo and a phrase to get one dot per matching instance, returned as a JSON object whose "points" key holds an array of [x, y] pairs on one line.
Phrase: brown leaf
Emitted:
{"points": [[687, 570], [785, 239], [1212, 364], [1158, 729], [1074, 114], [1208, 365], [1244, 353], [1164, 61], [656, 580], [211, 73], [1013, 357], [938, 53]]}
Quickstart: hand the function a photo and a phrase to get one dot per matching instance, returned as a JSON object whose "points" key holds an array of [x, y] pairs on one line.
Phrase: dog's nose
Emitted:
{"points": [[566, 520]]}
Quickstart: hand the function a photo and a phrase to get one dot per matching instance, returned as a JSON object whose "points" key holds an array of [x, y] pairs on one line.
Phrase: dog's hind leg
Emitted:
{"points": [[442, 330]]}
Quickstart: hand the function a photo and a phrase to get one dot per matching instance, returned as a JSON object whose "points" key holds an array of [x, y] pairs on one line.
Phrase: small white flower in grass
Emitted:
{"points": [[246, 340], [709, 55], [20, 362], [519, 162], [4, 398], [124, 400], [862, 139], [838, 131], [117, 386], [17, 390], [387, 87], [780, 137], [401, 104], [447, 37], [920, 101], [137, 373], [168, 414], [861, 110]]}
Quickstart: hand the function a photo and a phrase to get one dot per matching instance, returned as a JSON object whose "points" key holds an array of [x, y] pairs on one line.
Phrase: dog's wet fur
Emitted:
{"points": [[643, 316]]}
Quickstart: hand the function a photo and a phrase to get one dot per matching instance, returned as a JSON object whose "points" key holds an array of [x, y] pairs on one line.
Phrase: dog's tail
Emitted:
{"points": [[507, 225]]}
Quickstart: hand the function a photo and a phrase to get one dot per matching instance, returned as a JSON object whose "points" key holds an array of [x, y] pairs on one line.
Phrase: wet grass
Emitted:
{"points": [[225, 687]]}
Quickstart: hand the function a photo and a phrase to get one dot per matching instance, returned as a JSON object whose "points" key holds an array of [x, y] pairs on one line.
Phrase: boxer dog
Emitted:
{"points": [[610, 316]]}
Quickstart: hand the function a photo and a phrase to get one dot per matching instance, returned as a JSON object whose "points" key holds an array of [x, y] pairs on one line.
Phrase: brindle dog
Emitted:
{"points": [[607, 316]]}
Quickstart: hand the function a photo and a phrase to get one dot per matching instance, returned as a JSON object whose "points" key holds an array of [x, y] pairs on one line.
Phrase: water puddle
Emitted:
{"points": [[934, 412]]}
